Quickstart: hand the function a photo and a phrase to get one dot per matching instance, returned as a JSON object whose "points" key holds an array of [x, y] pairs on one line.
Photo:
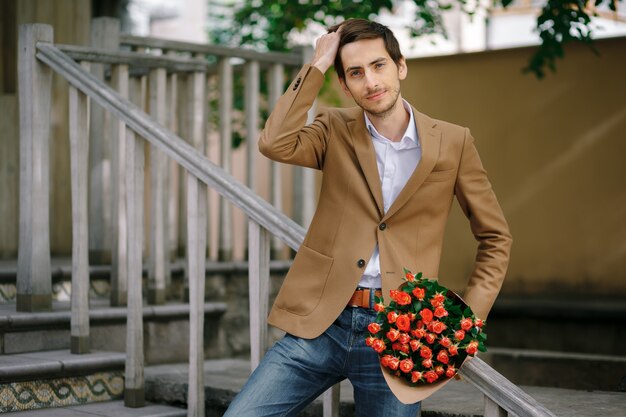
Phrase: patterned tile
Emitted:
{"points": [[60, 392]]}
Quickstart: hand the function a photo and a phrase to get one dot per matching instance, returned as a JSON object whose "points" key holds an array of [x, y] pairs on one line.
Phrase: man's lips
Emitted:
{"points": [[377, 95]]}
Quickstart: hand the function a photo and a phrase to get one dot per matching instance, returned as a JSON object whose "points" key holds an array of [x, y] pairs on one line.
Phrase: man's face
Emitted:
{"points": [[372, 79]]}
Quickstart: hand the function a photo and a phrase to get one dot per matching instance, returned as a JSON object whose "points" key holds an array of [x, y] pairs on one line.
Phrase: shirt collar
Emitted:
{"points": [[409, 140]]}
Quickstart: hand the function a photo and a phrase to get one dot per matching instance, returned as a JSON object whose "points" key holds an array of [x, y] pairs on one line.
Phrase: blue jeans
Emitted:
{"points": [[295, 371]]}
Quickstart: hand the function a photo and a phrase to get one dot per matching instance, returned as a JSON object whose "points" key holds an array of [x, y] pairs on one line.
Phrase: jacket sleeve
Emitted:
{"points": [[478, 202], [285, 138]]}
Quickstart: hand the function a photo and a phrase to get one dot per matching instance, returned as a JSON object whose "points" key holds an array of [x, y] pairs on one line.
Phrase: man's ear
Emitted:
{"points": [[344, 87], [402, 69]]}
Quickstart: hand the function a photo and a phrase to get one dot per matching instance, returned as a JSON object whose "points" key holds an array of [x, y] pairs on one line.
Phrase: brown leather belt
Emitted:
{"points": [[361, 297]]}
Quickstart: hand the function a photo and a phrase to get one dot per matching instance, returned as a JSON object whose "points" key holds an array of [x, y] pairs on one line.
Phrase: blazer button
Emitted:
{"points": [[360, 263], [382, 226]]}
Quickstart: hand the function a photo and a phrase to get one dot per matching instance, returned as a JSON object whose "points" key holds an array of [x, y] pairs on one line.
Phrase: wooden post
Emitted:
{"points": [[173, 172], [158, 261], [34, 285], [258, 282], [225, 247], [119, 264], [196, 124], [105, 33], [134, 377], [492, 409], [330, 406], [196, 258], [252, 73], [79, 151], [276, 81]]}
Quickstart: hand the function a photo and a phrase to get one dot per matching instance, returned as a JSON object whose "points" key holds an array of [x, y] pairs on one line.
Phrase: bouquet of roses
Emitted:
{"points": [[426, 331]]}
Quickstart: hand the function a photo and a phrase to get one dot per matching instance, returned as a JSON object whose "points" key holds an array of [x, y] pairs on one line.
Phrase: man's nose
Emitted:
{"points": [[371, 81]]}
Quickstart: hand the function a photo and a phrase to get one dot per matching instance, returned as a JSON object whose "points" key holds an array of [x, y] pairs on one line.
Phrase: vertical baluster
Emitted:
{"points": [[196, 250], [276, 80], [258, 278], [252, 72], [34, 285], [492, 409], [330, 406], [79, 157], [158, 260], [134, 376], [173, 172], [104, 35], [225, 246], [119, 239]]}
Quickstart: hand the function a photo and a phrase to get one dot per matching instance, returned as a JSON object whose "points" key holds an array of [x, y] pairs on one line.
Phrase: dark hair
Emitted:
{"points": [[353, 30]]}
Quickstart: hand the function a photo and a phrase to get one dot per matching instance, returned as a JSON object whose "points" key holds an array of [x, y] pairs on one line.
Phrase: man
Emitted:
{"points": [[389, 177]]}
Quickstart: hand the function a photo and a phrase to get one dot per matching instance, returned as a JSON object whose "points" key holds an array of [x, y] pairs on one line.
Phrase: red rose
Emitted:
{"points": [[426, 353], [378, 307], [369, 341], [411, 316], [384, 361], [373, 328], [430, 338], [431, 376], [453, 350], [479, 323], [442, 357], [415, 344], [427, 363], [466, 324], [393, 294], [437, 300], [392, 316], [403, 322], [406, 366], [396, 346], [415, 376], [404, 338], [419, 293], [419, 333], [459, 335], [472, 348], [393, 363], [445, 342], [393, 335], [427, 315], [410, 277], [440, 312], [404, 347], [402, 298], [437, 327], [378, 345], [439, 369], [451, 371]]}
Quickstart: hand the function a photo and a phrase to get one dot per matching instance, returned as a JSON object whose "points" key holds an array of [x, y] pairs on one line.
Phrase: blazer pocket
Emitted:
{"points": [[444, 175], [304, 284]]}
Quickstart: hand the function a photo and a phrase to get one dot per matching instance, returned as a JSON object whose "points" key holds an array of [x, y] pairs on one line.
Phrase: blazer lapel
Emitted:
{"points": [[429, 139], [366, 155]]}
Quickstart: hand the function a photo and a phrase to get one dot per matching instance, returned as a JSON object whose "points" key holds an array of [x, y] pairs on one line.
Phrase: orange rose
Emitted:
{"points": [[442, 357], [415, 344], [427, 315], [459, 335], [392, 316], [419, 293], [426, 353], [437, 300], [369, 341], [430, 338], [404, 338], [445, 342], [384, 361], [431, 376], [440, 312], [453, 350], [378, 307], [466, 324], [393, 335], [403, 322], [427, 363], [373, 328], [393, 363], [419, 333], [479, 323], [410, 277], [451, 371], [406, 366], [415, 376], [439, 369], [437, 326], [378, 345], [472, 348], [402, 298]]}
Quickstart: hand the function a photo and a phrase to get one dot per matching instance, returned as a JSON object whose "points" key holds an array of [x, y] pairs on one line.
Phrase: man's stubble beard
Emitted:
{"points": [[394, 92]]}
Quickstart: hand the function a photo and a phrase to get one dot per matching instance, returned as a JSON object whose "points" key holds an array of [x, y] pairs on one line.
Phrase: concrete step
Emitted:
{"points": [[166, 329], [225, 377], [105, 409]]}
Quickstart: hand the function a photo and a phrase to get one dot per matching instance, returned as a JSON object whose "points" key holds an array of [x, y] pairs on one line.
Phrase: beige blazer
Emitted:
{"points": [[349, 220]]}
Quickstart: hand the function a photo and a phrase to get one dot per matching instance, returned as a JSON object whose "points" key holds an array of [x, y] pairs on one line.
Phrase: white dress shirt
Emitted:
{"points": [[396, 162]]}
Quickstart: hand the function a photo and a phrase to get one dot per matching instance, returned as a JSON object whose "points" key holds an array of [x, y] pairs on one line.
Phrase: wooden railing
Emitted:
{"points": [[38, 56]]}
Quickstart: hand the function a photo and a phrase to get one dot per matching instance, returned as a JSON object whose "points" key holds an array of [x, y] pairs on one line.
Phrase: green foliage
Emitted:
{"points": [[266, 24]]}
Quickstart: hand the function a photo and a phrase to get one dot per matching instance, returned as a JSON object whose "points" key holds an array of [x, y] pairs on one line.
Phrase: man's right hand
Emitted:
{"points": [[326, 50]]}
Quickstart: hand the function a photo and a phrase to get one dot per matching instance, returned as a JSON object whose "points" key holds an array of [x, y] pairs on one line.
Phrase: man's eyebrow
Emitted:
{"points": [[376, 61]]}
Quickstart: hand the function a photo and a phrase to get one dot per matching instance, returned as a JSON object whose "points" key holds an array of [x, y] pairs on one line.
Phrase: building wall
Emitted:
{"points": [[554, 150]]}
